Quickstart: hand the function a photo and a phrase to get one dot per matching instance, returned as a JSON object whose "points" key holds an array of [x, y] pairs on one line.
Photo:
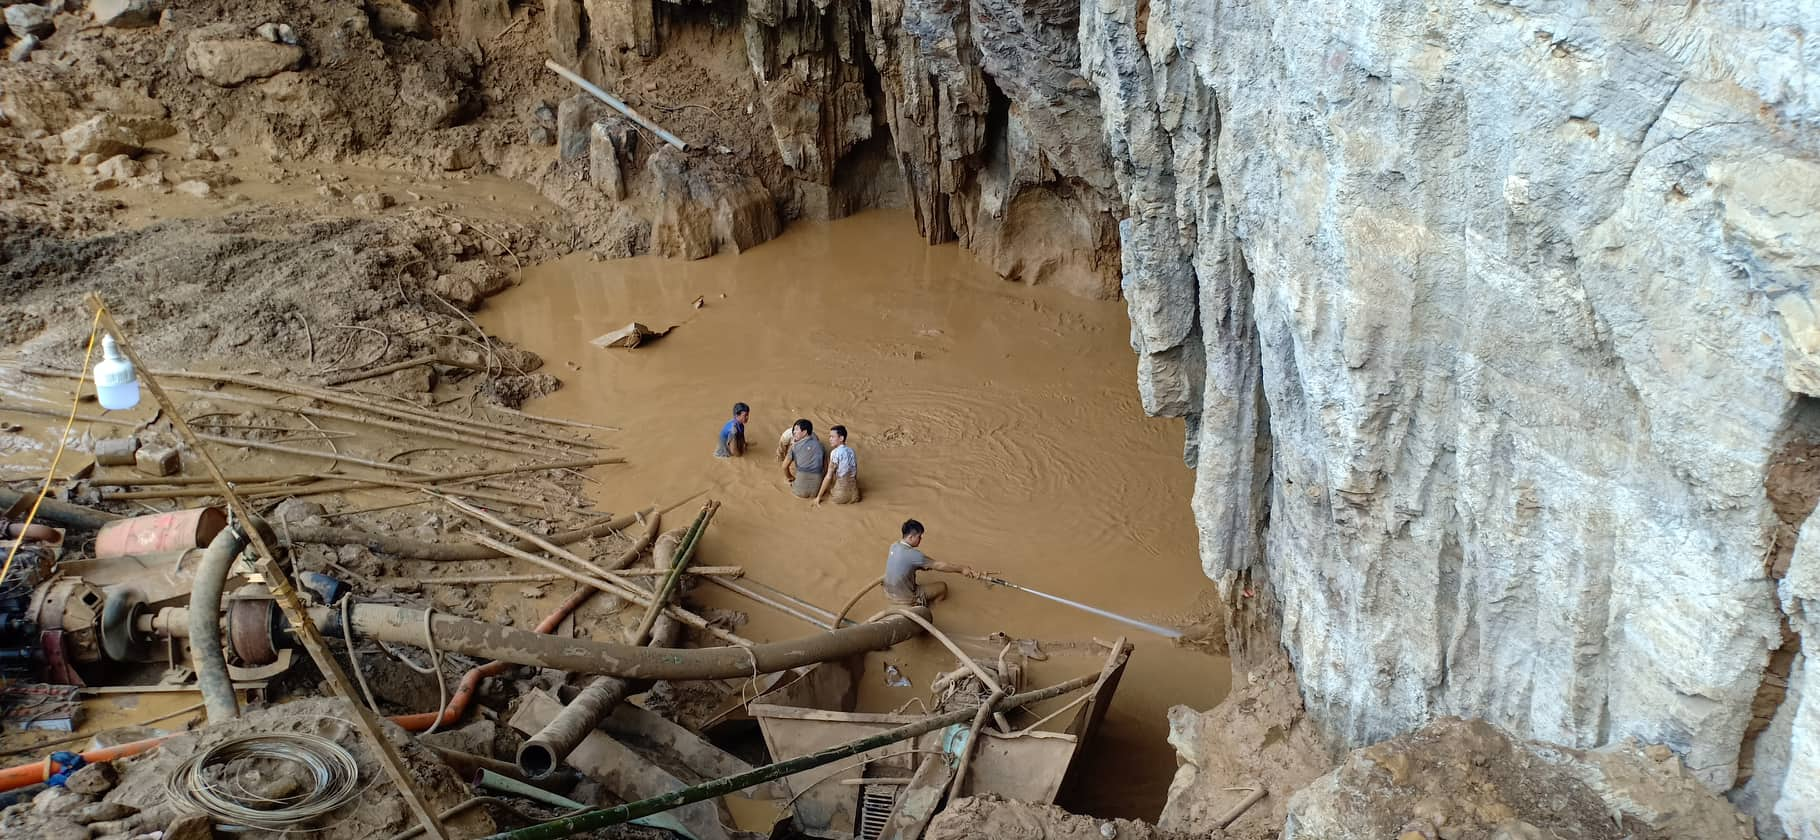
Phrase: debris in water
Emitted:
{"points": [[895, 678], [630, 336]]}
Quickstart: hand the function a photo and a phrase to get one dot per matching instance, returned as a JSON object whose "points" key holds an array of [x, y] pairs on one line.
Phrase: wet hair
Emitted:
{"points": [[741, 408], [838, 430], [912, 527], [807, 427]]}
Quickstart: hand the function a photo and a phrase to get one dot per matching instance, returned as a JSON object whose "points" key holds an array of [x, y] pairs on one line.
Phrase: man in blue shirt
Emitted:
{"points": [[733, 435]]}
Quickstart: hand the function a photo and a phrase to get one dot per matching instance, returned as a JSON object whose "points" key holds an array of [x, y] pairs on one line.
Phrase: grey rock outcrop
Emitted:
{"points": [[1468, 779], [1488, 320]]}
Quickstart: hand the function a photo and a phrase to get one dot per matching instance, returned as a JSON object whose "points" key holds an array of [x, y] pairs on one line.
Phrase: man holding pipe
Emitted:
{"points": [[905, 559]]}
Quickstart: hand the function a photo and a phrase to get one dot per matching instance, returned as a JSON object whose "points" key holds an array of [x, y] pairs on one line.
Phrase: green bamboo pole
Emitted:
{"points": [[662, 595], [606, 817]]}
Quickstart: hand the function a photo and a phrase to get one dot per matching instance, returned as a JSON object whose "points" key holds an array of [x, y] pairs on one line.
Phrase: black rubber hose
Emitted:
{"points": [[205, 624]]}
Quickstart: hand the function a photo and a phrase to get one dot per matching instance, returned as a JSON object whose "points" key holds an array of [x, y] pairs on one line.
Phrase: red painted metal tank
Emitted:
{"points": [[178, 530]]}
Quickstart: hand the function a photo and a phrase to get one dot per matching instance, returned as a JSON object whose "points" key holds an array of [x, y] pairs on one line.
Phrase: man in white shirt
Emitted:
{"points": [[843, 474]]}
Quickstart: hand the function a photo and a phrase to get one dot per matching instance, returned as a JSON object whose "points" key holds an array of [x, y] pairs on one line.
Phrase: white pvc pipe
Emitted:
{"points": [[617, 105]]}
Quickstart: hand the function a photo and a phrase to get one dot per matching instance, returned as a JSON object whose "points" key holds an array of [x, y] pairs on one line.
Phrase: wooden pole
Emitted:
{"points": [[280, 586]]}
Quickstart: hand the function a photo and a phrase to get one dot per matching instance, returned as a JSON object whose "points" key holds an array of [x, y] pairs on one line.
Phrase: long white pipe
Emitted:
{"points": [[617, 105], [1165, 632]]}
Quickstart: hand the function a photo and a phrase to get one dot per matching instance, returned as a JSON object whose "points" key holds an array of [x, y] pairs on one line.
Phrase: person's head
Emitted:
{"points": [[741, 411], [837, 435], [801, 429], [913, 533]]}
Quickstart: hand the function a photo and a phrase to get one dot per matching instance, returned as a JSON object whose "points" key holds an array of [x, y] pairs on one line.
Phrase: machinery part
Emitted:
{"points": [[252, 625], [160, 532], [68, 614], [120, 639], [544, 752], [206, 658]]}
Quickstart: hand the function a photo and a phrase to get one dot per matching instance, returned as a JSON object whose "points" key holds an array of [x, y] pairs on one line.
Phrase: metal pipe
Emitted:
{"points": [[544, 751], [206, 657], [1165, 632], [60, 513], [606, 817], [616, 105]]}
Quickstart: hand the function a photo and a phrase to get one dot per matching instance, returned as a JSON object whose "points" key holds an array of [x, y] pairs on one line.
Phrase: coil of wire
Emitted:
{"points": [[214, 781]]}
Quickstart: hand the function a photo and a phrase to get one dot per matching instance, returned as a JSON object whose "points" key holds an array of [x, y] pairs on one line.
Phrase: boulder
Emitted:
{"points": [[231, 62], [125, 13], [198, 189], [94, 779], [191, 827], [398, 19], [27, 19], [104, 135], [118, 167]]}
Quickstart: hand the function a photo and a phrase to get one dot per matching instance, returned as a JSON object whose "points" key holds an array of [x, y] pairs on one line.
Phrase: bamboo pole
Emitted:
{"points": [[629, 593], [407, 364], [419, 429], [683, 553], [85, 418], [341, 398]]}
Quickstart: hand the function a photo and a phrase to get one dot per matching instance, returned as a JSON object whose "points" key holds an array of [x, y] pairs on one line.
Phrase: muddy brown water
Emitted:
{"points": [[1002, 416]]}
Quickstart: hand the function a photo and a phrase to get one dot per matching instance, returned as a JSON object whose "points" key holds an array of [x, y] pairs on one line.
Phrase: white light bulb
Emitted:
{"points": [[115, 383]]}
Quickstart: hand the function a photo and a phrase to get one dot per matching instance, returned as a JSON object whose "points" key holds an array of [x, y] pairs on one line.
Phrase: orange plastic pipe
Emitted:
{"points": [[470, 681], [38, 772]]}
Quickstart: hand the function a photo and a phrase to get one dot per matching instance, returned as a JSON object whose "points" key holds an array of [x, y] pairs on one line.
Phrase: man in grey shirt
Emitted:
{"points": [[808, 459], [902, 564]]}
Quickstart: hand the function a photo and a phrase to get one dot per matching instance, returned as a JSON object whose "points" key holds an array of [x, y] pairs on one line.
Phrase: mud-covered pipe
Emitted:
{"points": [[403, 625], [60, 513], [205, 624], [543, 752]]}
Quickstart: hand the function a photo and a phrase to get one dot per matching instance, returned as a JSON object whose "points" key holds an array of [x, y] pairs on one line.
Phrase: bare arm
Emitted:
{"points": [[938, 566], [827, 482]]}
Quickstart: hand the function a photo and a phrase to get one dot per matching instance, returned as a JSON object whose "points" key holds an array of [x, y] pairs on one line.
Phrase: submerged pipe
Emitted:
{"points": [[206, 657], [403, 625], [545, 751]]}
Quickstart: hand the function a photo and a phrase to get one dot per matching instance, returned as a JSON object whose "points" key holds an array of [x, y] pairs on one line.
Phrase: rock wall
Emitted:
{"points": [[1488, 319]]}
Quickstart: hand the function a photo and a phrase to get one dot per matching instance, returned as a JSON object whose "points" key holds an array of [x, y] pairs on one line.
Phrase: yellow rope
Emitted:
{"points": [[93, 330]]}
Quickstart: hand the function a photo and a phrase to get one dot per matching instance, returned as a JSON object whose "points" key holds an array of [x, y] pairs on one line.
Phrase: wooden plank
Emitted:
{"points": [[281, 588], [623, 771], [917, 805]]}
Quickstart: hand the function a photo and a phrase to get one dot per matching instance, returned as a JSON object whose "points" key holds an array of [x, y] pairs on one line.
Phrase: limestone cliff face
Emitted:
{"points": [[1488, 318]]}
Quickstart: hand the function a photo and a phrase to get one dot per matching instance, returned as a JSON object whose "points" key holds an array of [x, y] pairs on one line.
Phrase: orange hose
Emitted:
{"points": [[470, 681], [37, 772]]}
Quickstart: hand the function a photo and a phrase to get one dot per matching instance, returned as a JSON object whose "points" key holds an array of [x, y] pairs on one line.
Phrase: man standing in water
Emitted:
{"points": [[733, 435], [807, 459], [905, 559], [844, 477]]}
